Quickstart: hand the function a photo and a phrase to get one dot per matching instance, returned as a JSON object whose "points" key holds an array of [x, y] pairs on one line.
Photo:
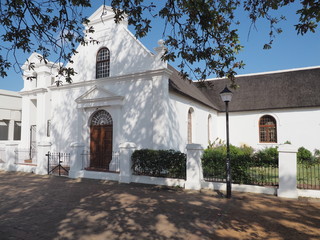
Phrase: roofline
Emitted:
{"points": [[10, 93], [190, 97], [270, 72], [271, 108]]}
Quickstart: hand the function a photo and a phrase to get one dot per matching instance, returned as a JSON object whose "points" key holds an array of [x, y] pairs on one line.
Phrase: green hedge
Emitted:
{"points": [[214, 162], [159, 163], [266, 157]]}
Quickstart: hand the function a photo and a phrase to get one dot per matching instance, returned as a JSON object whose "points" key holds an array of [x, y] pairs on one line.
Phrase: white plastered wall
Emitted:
{"points": [[179, 107], [299, 126], [132, 114]]}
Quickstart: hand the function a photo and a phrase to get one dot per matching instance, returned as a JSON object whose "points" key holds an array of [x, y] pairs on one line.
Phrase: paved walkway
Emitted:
{"points": [[50, 208]]}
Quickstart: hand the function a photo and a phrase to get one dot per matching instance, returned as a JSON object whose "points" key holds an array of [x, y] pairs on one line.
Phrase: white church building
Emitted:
{"points": [[125, 93]]}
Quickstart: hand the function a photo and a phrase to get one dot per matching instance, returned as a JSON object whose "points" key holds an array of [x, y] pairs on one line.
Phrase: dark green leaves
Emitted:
{"points": [[48, 27]]}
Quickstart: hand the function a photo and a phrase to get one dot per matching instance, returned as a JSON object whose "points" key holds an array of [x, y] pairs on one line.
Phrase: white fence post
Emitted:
{"points": [[76, 159], [10, 156], [126, 150], [42, 159], [287, 171], [194, 169]]}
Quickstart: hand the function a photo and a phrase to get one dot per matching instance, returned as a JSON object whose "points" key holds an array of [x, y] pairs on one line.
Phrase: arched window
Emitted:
{"points": [[209, 127], [268, 129], [190, 125], [103, 63], [101, 117]]}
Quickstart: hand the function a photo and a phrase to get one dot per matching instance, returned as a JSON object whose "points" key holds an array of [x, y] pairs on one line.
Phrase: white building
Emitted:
{"points": [[123, 92], [10, 115]]}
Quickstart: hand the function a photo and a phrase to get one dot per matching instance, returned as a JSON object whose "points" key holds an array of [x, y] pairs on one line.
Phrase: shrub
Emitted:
{"points": [[214, 162], [159, 163], [304, 155], [266, 157]]}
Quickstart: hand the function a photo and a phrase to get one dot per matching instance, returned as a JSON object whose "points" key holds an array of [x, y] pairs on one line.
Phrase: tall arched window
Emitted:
{"points": [[209, 127], [190, 125], [268, 129], [103, 63]]}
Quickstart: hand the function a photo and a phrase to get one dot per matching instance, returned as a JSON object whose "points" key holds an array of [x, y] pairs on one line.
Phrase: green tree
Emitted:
{"points": [[197, 32]]}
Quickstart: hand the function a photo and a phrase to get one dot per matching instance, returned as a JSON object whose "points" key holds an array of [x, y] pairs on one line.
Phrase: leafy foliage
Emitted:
{"points": [[304, 155], [266, 157], [214, 162], [159, 163], [203, 34], [44, 26]]}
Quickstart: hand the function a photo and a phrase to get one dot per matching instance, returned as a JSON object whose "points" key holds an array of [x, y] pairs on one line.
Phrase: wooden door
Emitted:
{"points": [[100, 146]]}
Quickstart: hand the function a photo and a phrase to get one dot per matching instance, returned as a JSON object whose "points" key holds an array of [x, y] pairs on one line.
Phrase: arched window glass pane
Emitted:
{"points": [[268, 129], [101, 117], [103, 63]]}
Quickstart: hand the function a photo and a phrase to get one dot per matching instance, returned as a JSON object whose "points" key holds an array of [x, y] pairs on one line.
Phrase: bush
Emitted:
{"points": [[304, 155], [266, 157], [214, 162], [159, 163]]}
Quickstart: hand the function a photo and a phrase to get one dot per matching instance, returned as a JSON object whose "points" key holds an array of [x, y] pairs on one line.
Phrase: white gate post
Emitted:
{"points": [[287, 171], [126, 150], [194, 169], [42, 159], [10, 156], [76, 159]]}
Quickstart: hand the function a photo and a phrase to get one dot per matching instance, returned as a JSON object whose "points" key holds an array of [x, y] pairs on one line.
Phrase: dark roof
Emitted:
{"points": [[187, 88], [277, 90]]}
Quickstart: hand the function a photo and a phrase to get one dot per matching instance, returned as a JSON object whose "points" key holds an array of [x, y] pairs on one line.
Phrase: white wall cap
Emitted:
{"points": [[44, 144], [127, 145], [77, 144], [287, 148], [194, 146], [33, 92], [9, 93], [12, 144]]}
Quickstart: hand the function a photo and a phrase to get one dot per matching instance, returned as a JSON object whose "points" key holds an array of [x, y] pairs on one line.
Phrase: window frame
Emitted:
{"points": [[190, 127], [100, 63], [268, 129]]}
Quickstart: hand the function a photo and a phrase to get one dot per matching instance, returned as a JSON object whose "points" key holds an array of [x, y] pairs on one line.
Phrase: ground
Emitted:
{"points": [[51, 208]]}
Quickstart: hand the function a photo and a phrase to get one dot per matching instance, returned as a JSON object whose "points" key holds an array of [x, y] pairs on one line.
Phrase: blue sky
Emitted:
{"points": [[289, 50]]}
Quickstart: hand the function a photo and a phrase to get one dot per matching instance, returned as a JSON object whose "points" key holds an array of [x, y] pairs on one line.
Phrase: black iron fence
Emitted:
{"points": [[26, 156], [112, 166], [308, 175], [2, 155], [251, 173], [58, 163]]}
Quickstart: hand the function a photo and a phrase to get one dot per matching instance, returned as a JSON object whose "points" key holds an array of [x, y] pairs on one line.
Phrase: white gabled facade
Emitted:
{"points": [[135, 94]]}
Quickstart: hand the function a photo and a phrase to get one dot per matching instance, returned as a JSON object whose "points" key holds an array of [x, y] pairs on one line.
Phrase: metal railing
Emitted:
{"points": [[2, 155], [251, 174], [26, 156], [308, 175], [113, 166], [58, 163]]}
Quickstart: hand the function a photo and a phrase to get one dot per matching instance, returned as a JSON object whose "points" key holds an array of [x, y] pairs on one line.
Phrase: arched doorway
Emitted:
{"points": [[101, 140]]}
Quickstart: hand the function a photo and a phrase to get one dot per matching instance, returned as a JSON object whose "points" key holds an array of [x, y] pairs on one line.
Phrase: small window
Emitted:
{"points": [[103, 63], [17, 130], [268, 129], [209, 127], [48, 128], [190, 125]]}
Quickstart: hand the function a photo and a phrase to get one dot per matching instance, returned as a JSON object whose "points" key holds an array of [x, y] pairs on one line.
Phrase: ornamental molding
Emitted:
{"points": [[98, 97]]}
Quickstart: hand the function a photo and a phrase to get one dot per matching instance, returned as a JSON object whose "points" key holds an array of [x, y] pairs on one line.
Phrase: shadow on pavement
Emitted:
{"points": [[48, 207]]}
